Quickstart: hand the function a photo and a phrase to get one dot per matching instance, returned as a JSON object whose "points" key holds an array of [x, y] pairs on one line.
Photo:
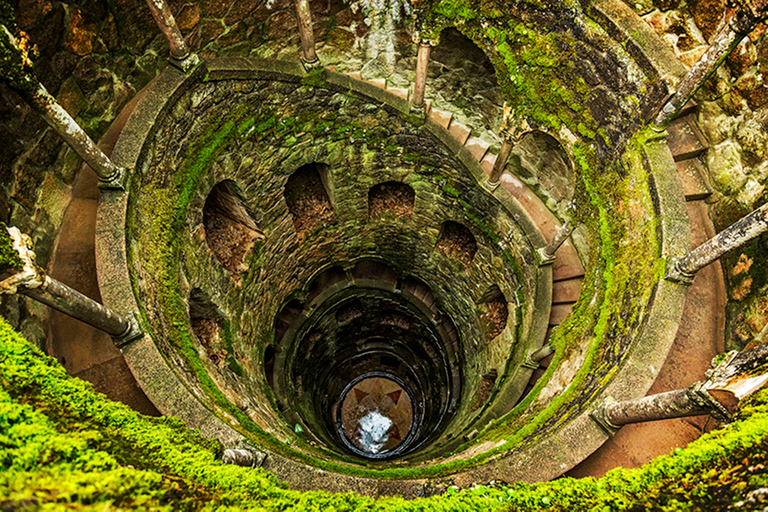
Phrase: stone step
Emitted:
{"points": [[400, 92], [378, 82], [693, 178], [459, 131], [566, 291], [684, 139], [441, 117], [559, 312], [478, 147]]}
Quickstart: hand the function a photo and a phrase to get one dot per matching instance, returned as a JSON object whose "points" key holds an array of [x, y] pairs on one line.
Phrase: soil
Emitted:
{"points": [[486, 386], [457, 242], [230, 241], [208, 331], [494, 317], [308, 201], [391, 199]]}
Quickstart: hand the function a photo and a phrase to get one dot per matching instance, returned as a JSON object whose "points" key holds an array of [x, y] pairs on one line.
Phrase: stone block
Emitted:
{"points": [[356, 75], [692, 174], [399, 92], [684, 139], [441, 117], [487, 163], [459, 131], [381, 83], [478, 147], [566, 291]]}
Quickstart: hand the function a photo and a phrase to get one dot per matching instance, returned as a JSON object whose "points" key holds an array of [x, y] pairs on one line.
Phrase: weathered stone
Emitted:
{"points": [[282, 24], [109, 35], [29, 11], [210, 30], [241, 49], [54, 198], [188, 17], [214, 8], [47, 32], [81, 34], [752, 134], [90, 74], [139, 30], [26, 180], [234, 35], [239, 10], [71, 97], [725, 166], [742, 57], [753, 88], [44, 152], [707, 14], [340, 38]]}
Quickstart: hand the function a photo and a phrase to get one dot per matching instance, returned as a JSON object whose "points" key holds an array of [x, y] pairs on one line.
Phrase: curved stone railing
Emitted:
{"points": [[159, 380]]}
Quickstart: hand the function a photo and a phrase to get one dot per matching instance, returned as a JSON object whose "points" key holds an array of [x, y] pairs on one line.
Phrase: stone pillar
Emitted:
{"points": [[181, 57], [737, 376], [501, 161], [110, 176], [512, 131], [547, 254], [745, 229], [420, 82], [534, 358], [34, 283], [35, 94], [741, 24], [308, 54], [673, 404]]}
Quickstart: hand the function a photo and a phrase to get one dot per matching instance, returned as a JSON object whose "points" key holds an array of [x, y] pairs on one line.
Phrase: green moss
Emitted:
{"points": [[64, 445], [9, 257], [16, 66]]}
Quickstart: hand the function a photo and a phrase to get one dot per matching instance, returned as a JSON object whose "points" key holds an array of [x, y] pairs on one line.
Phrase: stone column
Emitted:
{"points": [[420, 82], [512, 131], [745, 229], [534, 358], [35, 94], [308, 54], [673, 404], [181, 57], [741, 24], [501, 160], [547, 254], [737, 376], [34, 283]]}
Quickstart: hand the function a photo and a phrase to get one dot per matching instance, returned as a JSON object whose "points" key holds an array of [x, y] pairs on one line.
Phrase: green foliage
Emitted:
{"points": [[63, 444], [9, 257]]}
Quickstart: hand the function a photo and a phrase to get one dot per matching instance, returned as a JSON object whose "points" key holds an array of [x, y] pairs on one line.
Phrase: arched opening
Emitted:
{"points": [[325, 279], [285, 318], [494, 312], [230, 230], [540, 161], [207, 325], [391, 198], [457, 241], [269, 365], [464, 79], [308, 198]]}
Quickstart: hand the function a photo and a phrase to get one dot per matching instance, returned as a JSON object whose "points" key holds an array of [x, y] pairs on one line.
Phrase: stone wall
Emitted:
{"points": [[258, 133], [733, 116]]}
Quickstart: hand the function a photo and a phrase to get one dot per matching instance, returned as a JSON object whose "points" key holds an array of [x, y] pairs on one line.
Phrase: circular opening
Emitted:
{"points": [[376, 416]]}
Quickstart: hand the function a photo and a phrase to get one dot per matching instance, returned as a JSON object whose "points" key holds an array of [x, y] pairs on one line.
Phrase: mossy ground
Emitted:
{"points": [[62, 445]]}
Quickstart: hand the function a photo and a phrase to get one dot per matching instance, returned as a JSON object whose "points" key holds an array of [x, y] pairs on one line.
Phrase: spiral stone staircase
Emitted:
{"points": [[303, 247]]}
